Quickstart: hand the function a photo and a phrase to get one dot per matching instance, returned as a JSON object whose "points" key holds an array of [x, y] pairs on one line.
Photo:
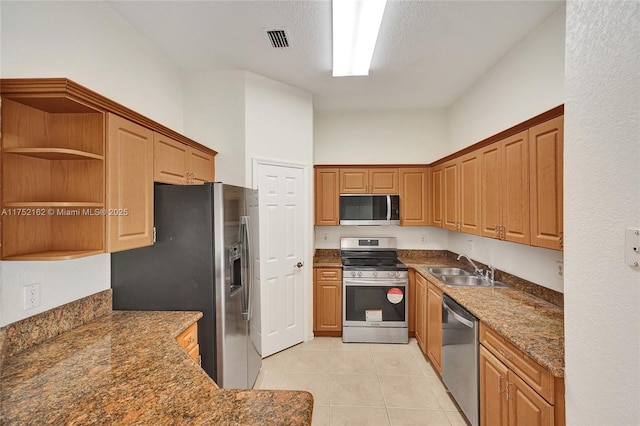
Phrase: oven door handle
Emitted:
{"points": [[398, 283]]}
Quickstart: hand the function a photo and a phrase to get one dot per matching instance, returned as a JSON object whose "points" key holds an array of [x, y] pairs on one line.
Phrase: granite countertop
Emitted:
{"points": [[531, 324], [126, 367]]}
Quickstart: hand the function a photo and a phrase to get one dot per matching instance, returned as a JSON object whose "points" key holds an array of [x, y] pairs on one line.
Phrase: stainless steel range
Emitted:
{"points": [[375, 286]]}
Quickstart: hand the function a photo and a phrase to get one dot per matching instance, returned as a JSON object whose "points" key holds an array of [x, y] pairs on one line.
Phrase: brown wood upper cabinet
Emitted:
{"points": [[327, 196], [456, 204], [546, 142], [505, 189], [378, 180], [129, 184], [180, 164], [414, 195], [511, 189], [77, 171], [437, 196]]}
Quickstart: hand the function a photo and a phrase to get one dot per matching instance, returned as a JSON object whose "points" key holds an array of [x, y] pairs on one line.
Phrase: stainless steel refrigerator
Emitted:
{"points": [[205, 258]]}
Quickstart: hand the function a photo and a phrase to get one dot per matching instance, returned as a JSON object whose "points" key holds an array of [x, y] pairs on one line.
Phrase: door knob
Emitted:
{"points": [[298, 265]]}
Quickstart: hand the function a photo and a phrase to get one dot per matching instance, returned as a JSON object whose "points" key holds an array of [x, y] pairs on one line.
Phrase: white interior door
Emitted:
{"points": [[282, 241]]}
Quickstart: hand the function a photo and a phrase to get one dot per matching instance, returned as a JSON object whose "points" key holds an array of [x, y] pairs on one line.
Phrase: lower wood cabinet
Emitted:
{"points": [[188, 339], [434, 326], [514, 389], [421, 312], [327, 302]]}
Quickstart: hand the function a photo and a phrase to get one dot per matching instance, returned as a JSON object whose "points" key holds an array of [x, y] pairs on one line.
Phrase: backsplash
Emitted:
{"points": [[546, 294], [26, 333]]}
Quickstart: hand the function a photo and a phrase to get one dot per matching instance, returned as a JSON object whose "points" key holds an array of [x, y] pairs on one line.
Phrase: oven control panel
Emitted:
{"points": [[377, 274]]}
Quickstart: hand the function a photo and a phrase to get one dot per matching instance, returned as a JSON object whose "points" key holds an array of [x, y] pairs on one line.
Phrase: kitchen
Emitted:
{"points": [[592, 396]]}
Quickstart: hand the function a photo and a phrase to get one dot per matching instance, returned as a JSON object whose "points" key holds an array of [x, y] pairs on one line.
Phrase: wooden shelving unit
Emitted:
{"points": [[77, 171], [53, 174]]}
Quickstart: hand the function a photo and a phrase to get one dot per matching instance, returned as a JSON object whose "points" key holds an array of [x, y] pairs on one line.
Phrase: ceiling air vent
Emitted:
{"points": [[278, 39]]}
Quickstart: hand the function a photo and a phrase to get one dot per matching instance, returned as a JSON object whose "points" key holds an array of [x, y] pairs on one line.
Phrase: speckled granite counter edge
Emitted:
{"points": [[544, 348], [98, 373], [24, 334]]}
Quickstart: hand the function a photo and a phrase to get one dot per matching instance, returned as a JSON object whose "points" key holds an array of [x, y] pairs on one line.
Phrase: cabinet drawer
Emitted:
{"points": [[328, 274], [536, 376], [188, 339]]}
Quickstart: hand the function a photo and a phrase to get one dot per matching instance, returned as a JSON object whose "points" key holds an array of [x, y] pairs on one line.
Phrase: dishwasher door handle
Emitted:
{"points": [[457, 316]]}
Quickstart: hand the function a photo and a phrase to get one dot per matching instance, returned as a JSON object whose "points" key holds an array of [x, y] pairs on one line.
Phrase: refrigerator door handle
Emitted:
{"points": [[247, 267]]}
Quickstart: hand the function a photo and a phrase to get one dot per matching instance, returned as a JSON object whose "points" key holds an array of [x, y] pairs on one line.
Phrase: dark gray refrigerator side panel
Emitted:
{"points": [[177, 272]]}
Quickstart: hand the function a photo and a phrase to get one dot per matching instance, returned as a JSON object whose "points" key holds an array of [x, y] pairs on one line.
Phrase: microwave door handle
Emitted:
{"points": [[388, 208]]}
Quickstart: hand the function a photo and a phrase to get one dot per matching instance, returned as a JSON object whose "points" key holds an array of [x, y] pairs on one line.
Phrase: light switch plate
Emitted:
{"points": [[632, 247]]}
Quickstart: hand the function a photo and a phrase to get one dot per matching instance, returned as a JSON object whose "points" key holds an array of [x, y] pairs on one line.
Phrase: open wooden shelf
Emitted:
{"points": [[55, 255], [54, 153]]}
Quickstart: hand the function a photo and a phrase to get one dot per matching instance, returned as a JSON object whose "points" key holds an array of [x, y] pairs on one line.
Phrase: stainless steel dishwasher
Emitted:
{"points": [[460, 357]]}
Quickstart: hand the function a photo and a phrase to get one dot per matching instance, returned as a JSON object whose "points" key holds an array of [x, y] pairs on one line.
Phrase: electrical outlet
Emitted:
{"points": [[423, 239], [469, 246], [325, 236], [31, 296], [560, 269]]}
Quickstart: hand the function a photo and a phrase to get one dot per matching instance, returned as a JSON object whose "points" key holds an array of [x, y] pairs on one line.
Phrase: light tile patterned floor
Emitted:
{"points": [[363, 384]]}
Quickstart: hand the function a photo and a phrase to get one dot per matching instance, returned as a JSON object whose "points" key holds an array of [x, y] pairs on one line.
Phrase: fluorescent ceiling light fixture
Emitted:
{"points": [[356, 24]]}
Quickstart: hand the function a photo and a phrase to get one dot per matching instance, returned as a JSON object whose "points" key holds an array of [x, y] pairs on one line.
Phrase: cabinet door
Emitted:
{"points": [[170, 159], [434, 326], [515, 188], [354, 181], [546, 160], [494, 408], [328, 302], [413, 196], [437, 196], [412, 302], [201, 166], [491, 190], [450, 191], [327, 198], [421, 312], [526, 407], [383, 181], [129, 213], [470, 193]]}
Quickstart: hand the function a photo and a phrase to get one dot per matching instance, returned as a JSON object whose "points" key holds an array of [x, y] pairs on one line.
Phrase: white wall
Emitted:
{"points": [[602, 199], [214, 115], [380, 137], [90, 44], [60, 282], [409, 237], [279, 127], [526, 82]]}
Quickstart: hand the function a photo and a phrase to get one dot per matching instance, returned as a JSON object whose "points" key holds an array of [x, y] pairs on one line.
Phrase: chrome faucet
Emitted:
{"points": [[477, 270], [489, 275]]}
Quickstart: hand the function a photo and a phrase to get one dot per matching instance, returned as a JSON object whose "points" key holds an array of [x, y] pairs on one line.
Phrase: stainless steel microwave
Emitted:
{"points": [[369, 209]]}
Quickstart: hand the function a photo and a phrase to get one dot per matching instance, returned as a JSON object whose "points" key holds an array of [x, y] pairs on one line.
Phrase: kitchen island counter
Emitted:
{"points": [[126, 367]]}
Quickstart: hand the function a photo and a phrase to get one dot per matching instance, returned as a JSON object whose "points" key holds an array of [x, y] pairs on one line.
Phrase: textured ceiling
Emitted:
{"points": [[428, 52]]}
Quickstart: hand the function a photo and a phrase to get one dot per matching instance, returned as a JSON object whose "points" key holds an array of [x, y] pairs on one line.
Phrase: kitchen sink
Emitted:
{"points": [[448, 271], [469, 281]]}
